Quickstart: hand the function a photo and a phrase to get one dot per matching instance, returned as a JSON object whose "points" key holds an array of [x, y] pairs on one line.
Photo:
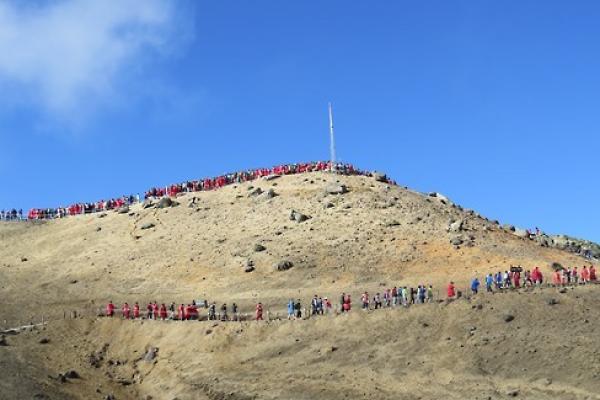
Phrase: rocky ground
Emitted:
{"points": [[270, 240]]}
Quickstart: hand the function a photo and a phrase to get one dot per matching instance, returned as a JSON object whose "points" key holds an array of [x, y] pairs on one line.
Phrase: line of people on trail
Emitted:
{"points": [[188, 186], [182, 312], [82, 208], [512, 279]]}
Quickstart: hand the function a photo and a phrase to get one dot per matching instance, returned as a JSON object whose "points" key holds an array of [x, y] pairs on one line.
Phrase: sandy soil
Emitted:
{"points": [[371, 237]]}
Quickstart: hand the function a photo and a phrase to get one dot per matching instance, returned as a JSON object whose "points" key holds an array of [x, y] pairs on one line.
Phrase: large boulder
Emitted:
{"points": [[284, 265], [166, 202], [443, 199], [336, 188], [456, 226], [298, 216], [269, 194], [123, 210], [522, 233], [380, 177]]}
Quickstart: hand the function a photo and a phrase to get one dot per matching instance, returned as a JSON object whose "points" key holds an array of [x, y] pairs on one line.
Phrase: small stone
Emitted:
{"points": [[259, 247], [509, 318]]}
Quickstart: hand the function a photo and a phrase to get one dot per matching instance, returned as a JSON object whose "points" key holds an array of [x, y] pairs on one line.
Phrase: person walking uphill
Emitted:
{"points": [[259, 312], [475, 285], [110, 309], [451, 290]]}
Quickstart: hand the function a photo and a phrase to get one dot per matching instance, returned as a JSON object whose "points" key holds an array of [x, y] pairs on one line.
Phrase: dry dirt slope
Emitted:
{"points": [[373, 234]]}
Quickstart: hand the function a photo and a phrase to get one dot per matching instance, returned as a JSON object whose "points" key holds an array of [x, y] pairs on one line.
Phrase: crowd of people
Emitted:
{"points": [[512, 279], [11, 215], [188, 186], [397, 296], [83, 208]]}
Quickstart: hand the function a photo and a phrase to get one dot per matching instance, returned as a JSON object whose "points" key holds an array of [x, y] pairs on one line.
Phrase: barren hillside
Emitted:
{"points": [[373, 235]]}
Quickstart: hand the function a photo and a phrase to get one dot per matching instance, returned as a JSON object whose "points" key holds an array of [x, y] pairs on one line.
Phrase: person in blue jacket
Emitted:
{"points": [[489, 281], [290, 309], [475, 285]]}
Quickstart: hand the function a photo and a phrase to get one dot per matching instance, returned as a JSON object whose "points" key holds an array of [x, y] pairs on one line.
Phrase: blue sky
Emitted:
{"points": [[494, 104]]}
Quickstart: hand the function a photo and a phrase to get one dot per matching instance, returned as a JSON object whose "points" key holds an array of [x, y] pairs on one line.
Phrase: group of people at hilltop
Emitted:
{"points": [[189, 186], [11, 215], [83, 208], [250, 175]]}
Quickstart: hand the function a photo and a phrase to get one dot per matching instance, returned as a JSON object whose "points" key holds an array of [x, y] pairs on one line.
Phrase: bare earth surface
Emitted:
{"points": [[373, 236]]}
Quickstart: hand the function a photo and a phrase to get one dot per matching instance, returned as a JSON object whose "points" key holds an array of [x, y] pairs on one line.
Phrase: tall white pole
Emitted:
{"points": [[331, 139]]}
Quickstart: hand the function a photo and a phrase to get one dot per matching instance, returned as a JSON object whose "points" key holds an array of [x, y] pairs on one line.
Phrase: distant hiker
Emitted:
{"points": [[224, 312], [162, 312], [387, 297], [290, 309], [506, 279], [342, 302], [395, 296], [556, 278], [421, 294], [212, 312], [155, 310], [347, 306], [298, 309], [110, 309], [475, 285], [314, 305], [327, 305], [451, 290], [528, 280], [537, 277], [517, 279], [430, 294], [592, 274], [136, 310], [125, 311], [489, 281], [585, 275], [574, 276], [181, 312], [259, 312], [498, 278], [172, 311], [320, 309], [365, 301], [234, 311]]}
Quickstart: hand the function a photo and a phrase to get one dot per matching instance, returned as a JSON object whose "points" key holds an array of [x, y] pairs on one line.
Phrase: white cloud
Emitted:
{"points": [[63, 54]]}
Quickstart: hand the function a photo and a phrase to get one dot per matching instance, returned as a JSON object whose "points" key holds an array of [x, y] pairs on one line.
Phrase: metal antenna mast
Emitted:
{"points": [[331, 139]]}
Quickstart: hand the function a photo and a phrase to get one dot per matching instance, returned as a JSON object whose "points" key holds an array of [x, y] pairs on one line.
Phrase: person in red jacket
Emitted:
{"points": [[592, 274], [180, 310], [163, 312], [136, 310], [259, 312], [451, 291], [155, 310], [110, 309], [149, 313], [125, 311]]}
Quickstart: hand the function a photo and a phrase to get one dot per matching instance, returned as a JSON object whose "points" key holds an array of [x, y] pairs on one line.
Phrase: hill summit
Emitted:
{"points": [[266, 240]]}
